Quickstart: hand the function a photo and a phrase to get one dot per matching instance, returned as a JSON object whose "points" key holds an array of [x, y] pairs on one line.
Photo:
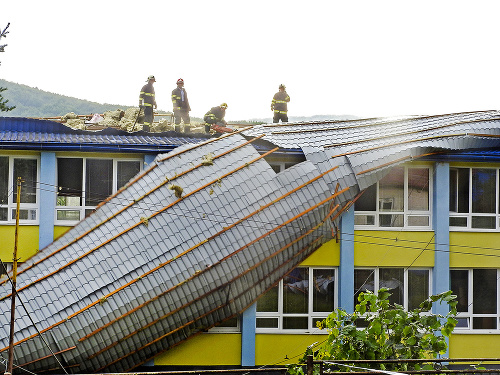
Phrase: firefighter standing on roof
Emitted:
{"points": [[181, 106], [279, 106], [147, 101]]}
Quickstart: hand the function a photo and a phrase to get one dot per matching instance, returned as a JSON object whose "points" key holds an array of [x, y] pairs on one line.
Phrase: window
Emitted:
{"points": [[408, 287], [476, 291], [473, 198], [295, 306], [403, 197], [85, 182], [10, 169]]}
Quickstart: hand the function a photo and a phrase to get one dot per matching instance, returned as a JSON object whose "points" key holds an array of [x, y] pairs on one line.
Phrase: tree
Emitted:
{"points": [[3, 102], [389, 332]]}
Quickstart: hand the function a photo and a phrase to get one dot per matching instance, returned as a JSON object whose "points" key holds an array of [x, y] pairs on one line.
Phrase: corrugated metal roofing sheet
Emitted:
{"points": [[148, 269], [24, 133]]}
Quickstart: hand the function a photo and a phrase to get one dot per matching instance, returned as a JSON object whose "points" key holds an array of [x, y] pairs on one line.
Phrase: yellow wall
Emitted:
{"points": [[59, 231], [27, 244], [393, 249], [205, 349], [275, 349], [465, 248], [474, 346], [326, 255]]}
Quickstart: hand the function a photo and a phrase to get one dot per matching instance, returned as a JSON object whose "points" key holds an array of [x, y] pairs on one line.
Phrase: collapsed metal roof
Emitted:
{"points": [[203, 232]]}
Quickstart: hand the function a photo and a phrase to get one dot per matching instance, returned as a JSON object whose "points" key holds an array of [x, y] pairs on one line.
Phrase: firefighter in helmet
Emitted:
{"points": [[147, 101], [215, 119], [279, 105], [181, 106]]}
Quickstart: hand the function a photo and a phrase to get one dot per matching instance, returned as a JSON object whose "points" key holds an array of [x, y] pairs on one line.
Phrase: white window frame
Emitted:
{"points": [[405, 212], [469, 215], [82, 209], [469, 315], [279, 315], [376, 278], [33, 208]]}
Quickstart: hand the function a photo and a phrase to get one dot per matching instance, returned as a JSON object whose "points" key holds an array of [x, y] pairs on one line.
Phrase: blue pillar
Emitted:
{"points": [[48, 191], [441, 226], [346, 268], [248, 324]]}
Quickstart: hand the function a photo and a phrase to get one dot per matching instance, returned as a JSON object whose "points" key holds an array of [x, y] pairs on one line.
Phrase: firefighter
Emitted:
{"points": [[181, 106], [215, 119], [147, 101], [279, 106]]}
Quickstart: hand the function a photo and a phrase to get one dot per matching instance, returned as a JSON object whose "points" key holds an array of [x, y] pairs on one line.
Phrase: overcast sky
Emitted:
{"points": [[362, 58]]}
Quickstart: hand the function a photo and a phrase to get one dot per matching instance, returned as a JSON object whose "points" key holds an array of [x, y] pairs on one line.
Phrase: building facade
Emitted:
{"points": [[426, 226]]}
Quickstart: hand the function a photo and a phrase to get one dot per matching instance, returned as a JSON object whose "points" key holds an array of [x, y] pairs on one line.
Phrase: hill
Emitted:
{"points": [[33, 102]]}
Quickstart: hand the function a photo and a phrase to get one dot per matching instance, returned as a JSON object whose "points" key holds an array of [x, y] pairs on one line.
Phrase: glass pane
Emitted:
{"points": [[453, 190], [483, 190], [462, 323], [418, 221], [393, 279], [26, 169], [391, 190], [69, 181], [418, 189], [267, 323], [463, 190], [231, 322], [418, 287], [126, 170], [24, 214], [4, 180], [458, 221], [269, 301], [296, 292], [324, 290], [460, 287], [484, 222], [99, 181], [484, 322], [3, 214], [295, 322], [68, 215], [364, 280], [391, 220], [368, 200], [484, 291], [364, 219]]}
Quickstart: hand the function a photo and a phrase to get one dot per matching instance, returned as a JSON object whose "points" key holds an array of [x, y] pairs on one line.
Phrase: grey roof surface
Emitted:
{"points": [[148, 269]]}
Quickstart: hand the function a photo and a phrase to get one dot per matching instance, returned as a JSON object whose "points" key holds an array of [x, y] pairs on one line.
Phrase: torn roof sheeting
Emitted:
{"points": [[148, 269]]}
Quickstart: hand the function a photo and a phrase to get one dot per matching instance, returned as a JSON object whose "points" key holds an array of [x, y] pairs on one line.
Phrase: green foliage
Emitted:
{"points": [[389, 332], [3, 102]]}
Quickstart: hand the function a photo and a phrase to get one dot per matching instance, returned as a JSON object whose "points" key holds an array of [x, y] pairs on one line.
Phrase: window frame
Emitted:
{"points": [[85, 209], [11, 204], [469, 315], [310, 315], [470, 215], [406, 270], [379, 214]]}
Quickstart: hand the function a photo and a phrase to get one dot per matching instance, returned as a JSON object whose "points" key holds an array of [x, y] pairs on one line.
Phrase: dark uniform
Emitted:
{"points": [[147, 99], [279, 106], [181, 106], [215, 116]]}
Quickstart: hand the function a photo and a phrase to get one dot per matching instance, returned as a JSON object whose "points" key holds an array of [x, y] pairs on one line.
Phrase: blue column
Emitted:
{"points": [[248, 324], [441, 226], [48, 191], [346, 268]]}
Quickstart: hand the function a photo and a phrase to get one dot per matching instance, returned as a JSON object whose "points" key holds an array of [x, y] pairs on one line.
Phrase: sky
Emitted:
{"points": [[361, 58]]}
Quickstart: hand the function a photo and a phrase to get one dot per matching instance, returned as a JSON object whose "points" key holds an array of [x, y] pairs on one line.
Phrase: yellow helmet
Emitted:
{"points": [[224, 105]]}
